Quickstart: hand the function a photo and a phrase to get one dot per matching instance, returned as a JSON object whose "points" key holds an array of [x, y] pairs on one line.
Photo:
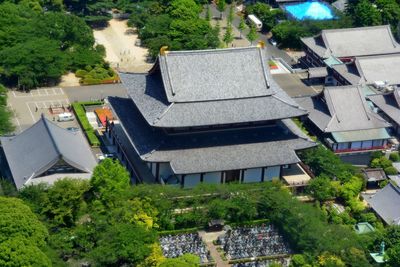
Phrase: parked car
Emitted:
{"points": [[272, 41], [65, 117]]}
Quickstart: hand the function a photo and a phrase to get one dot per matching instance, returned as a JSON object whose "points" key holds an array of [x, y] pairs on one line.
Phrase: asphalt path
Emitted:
{"points": [[94, 92], [272, 51]]}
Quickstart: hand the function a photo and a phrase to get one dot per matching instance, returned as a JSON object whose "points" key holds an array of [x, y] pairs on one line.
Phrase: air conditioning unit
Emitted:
{"points": [[379, 85]]}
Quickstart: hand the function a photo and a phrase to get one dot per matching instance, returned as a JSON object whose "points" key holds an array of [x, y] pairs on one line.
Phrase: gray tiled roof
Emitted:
{"points": [[379, 68], [209, 151], [218, 74], [386, 203], [388, 104], [349, 72], [351, 42], [341, 108], [218, 101], [38, 148]]}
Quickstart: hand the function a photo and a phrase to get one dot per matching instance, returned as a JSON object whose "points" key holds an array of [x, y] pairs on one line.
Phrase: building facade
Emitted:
{"points": [[210, 116], [342, 117]]}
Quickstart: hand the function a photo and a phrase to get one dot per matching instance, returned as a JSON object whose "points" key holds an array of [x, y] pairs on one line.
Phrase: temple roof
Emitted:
{"points": [[389, 104], [209, 87], [38, 148], [370, 69], [341, 108], [386, 204], [211, 150], [352, 42]]}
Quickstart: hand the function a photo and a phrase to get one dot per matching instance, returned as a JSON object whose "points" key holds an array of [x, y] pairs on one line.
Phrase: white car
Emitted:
{"points": [[272, 41]]}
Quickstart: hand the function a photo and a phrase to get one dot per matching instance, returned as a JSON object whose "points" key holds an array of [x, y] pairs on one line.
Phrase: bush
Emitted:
{"points": [[395, 157], [80, 113], [391, 170], [80, 73], [381, 162]]}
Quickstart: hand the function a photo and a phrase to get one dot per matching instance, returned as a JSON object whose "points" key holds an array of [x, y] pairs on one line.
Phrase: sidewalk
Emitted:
{"points": [[208, 238]]}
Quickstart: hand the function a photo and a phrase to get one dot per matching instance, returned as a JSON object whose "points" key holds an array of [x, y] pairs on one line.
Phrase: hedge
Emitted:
{"points": [[180, 231], [80, 113]]}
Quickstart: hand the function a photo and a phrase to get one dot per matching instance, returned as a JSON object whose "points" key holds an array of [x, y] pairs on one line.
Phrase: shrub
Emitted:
{"points": [[381, 162], [391, 170], [80, 73], [83, 121], [395, 157]]}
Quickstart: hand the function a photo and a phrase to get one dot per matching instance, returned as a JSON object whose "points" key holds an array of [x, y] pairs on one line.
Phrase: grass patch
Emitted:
{"points": [[80, 113], [303, 129]]}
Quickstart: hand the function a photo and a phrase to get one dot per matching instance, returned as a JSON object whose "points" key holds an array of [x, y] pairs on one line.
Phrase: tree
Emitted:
{"points": [[186, 260], [64, 201], [6, 125], [184, 9], [390, 11], [228, 36], [109, 180], [221, 5], [22, 235], [231, 14], [242, 26], [252, 35], [321, 188], [18, 252], [208, 13], [123, 244], [366, 14], [18, 221]]}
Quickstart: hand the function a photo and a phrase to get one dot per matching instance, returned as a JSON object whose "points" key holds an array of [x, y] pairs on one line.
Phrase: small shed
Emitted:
{"points": [[363, 228], [216, 225], [374, 176]]}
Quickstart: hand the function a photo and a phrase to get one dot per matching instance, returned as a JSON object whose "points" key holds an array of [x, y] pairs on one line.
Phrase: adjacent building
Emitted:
{"points": [[386, 204], [210, 116], [380, 71], [389, 107], [45, 152], [341, 116], [338, 46]]}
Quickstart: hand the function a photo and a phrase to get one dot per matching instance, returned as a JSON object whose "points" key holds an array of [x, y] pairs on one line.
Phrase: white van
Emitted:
{"points": [[255, 21], [65, 117]]}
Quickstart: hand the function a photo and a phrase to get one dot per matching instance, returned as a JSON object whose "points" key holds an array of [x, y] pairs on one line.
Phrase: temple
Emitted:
{"points": [[211, 116], [342, 117]]}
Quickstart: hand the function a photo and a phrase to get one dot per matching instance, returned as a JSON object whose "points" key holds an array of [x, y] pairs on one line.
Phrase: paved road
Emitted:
{"points": [[271, 50], [94, 92]]}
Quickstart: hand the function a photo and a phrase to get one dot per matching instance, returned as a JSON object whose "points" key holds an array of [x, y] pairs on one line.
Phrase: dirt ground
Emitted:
{"points": [[121, 51], [68, 80]]}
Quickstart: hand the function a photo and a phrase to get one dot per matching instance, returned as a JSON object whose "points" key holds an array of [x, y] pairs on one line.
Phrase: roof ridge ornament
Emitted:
{"points": [[261, 44], [164, 50]]}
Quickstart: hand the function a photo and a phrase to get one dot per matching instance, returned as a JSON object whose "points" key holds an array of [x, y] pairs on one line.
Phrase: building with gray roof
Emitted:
{"points": [[386, 203], [369, 70], [389, 107], [46, 152], [345, 121], [206, 116], [345, 44]]}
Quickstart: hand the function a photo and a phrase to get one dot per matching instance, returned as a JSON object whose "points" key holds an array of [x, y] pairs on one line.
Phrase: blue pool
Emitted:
{"points": [[310, 10]]}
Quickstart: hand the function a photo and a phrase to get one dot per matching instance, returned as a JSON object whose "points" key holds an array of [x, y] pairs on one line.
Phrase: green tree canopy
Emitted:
{"points": [[17, 220], [366, 14], [184, 9], [123, 244], [109, 180]]}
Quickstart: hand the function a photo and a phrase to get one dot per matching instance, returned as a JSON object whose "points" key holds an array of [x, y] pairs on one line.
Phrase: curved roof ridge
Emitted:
{"points": [[215, 50]]}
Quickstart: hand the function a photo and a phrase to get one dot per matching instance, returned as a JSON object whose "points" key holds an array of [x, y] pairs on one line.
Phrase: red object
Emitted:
{"points": [[103, 114], [359, 149]]}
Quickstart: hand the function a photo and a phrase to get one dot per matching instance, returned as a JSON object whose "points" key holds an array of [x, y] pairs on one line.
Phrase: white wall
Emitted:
{"points": [[212, 177], [252, 175], [272, 172], [191, 180], [165, 170], [154, 168]]}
